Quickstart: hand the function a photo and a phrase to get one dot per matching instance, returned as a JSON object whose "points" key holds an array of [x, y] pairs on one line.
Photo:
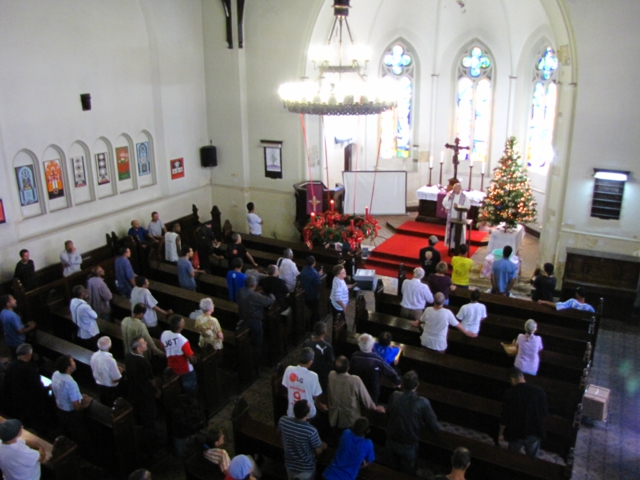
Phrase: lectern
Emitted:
{"points": [[456, 227], [302, 217]]}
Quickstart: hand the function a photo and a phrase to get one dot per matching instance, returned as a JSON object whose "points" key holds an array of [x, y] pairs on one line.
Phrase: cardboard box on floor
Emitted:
{"points": [[595, 403]]}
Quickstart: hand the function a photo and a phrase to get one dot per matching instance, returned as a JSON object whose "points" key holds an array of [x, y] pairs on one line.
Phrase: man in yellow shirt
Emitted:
{"points": [[461, 268]]}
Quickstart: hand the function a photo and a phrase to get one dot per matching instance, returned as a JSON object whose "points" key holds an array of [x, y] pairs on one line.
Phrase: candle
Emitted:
{"points": [[331, 204], [441, 157], [484, 165], [313, 218], [366, 213], [431, 161], [352, 225]]}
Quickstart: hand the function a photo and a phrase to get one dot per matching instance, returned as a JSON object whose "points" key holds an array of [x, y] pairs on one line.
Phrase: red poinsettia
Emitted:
{"points": [[330, 227]]}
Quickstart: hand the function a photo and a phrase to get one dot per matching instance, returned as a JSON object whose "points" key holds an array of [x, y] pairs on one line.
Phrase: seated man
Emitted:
{"points": [[543, 284], [140, 234], [430, 257], [577, 303], [70, 259], [504, 273], [156, 227]]}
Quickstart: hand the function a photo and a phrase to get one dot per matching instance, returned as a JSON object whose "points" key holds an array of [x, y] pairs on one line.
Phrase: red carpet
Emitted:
{"points": [[404, 247], [425, 230]]}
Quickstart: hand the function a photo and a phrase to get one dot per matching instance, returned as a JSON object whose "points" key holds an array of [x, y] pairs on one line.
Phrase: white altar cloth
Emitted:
{"points": [[499, 238], [431, 193]]}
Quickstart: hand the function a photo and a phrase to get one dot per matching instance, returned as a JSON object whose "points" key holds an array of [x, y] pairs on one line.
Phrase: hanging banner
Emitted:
{"points": [[124, 165], [26, 185], [103, 169], [314, 198], [79, 172], [177, 168], [3, 219], [53, 175], [144, 165]]}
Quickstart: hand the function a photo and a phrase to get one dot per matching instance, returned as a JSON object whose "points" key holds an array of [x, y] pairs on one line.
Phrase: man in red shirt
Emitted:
{"points": [[180, 356]]}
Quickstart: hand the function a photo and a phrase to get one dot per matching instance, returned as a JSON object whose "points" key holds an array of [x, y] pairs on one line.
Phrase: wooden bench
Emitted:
{"points": [[482, 348]]}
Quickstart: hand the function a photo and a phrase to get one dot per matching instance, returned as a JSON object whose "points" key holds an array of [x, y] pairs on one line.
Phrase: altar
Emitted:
{"points": [[430, 204], [500, 239]]}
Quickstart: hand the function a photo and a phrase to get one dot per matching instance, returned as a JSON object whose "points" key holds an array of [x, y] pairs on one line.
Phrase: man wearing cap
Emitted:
{"points": [[19, 459], [240, 468], [430, 257]]}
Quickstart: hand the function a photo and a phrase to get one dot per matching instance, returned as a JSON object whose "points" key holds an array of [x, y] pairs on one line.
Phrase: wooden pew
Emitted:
{"points": [[251, 436], [483, 349], [556, 338]]}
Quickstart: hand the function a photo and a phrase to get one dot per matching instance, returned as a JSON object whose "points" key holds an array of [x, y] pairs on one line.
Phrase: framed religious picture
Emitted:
{"points": [[53, 175], [3, 219], [177, 168], [144, 165], [79, 172], [124, 165], [102, 168], [27, 187], [272, 158]]}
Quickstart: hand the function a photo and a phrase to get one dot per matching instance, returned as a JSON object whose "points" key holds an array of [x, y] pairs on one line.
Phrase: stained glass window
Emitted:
{"points": [[396, 124], [539, 151], [473, 101]]}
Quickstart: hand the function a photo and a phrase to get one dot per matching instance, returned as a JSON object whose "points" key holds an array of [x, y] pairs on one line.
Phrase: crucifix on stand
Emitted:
{"points": [[456, 150]]}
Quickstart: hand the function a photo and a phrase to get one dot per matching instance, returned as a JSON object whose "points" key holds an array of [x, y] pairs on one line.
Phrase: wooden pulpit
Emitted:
{"points": [[456, 225], [336, 194]]}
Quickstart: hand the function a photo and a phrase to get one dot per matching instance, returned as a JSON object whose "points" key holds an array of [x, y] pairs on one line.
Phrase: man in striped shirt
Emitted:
{"points": [[301, 443]]}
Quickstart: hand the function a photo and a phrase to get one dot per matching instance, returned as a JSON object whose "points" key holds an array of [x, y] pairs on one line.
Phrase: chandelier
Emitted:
{"points": [[340, 89]]}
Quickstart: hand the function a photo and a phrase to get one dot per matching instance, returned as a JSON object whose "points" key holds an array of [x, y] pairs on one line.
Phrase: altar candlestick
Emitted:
{"points": [[331, 205], [482, 181], [484, 165], [431, 161], [440, 181], [441, 157], [430, 169], [366, 213], [470, 172]]}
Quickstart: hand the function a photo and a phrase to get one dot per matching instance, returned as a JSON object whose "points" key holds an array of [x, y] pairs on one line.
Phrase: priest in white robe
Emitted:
{"points": [[455, 199]]}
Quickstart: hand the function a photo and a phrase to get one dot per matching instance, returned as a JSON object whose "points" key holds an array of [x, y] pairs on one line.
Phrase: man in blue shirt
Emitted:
{"points": [[125, 277], [140, 234], [14, 330], [311, 280], [577, 303], [504, 273], [235, 278], [354, 451], [186, 272]]}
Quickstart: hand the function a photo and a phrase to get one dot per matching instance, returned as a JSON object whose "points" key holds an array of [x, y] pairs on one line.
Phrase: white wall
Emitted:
{"points": [[142, 62]]}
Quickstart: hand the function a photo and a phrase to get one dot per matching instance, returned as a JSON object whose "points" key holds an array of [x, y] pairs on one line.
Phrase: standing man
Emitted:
{"points": [[235, 278], [142, 294], [354, 452], [254, 221], [125, 278], [303, 384], [460, 461], [430, 257], [237, 250], [25, 270], [84, 317], [324, 357], [172, 244], [347, 394], [71, 259], [156, 227], [311, 281], [274, 284], [577, 303], [301, 443], [504, 273], [369, 366], [437, 321], [471, 314], [99, 294], [407, 415], [14, 330], [106, 372], [461, 265], [524, 413], [543, 284], [19, 459], [133, 327], [288, 269], [415, 296], [455, 199], [186, 272], [252, 305], [180, 356]]}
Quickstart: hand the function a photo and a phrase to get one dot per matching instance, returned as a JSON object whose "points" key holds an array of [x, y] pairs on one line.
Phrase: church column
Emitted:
{"points": [[512, 104]]}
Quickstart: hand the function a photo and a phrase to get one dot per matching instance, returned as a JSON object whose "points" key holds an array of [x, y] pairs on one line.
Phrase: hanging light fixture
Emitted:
{"points": [[340, 89]]}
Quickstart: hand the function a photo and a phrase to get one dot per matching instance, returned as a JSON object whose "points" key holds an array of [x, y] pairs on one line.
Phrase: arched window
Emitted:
{"points": [[539, 151], [396, 124], [473, 100]]}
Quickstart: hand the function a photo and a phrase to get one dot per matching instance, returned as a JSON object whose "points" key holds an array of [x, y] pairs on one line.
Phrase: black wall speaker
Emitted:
{"points": [[208, 156], [85, 99]]}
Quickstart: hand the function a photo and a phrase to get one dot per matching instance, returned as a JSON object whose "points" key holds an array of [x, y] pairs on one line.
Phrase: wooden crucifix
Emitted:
{"points": [[456, 150]]}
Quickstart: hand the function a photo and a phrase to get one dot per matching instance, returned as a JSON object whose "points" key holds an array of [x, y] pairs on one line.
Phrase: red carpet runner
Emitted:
{"points": [[404, 247]]}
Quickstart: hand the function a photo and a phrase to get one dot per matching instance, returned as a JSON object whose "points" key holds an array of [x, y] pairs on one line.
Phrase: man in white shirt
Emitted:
{"points": [[437, 320], [71, 259], [19, 459], [415, 296], [254, 221], [288, 270], [84, 317], [172, 244], [141, 294], [106, 372], [455, 199], [471, 314], [302, 384]]}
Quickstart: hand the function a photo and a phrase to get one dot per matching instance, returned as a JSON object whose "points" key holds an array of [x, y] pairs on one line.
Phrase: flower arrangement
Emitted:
{"points": [[331, 226]]}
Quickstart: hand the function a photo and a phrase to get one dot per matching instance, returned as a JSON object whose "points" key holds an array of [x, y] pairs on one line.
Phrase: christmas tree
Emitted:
{"points": [[509, 199]]}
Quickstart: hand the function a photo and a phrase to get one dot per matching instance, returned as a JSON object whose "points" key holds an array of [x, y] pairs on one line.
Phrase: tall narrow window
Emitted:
{"points": [[396, 124], [539, 152], [473, 101]]}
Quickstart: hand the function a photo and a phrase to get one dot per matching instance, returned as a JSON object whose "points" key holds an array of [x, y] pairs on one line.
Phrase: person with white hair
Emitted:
{"points": [[369, 366], [106, 372], [288, 269], [529, 346], [415, 296], [208, 326]]}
